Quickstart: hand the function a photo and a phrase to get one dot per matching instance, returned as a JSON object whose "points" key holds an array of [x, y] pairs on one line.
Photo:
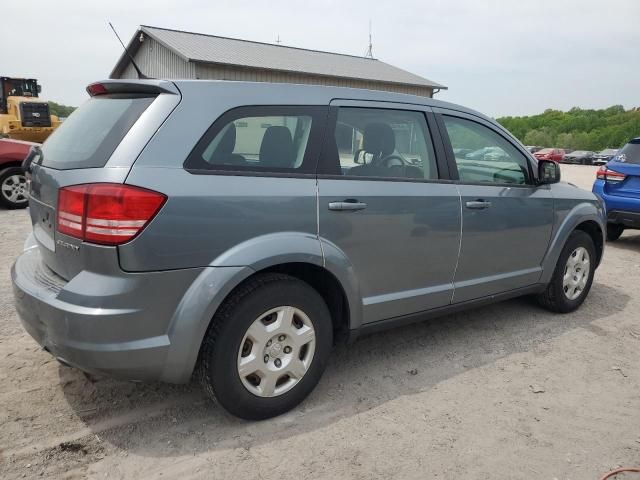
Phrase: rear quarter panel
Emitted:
{"points": [[219, 220], [214, 220]]}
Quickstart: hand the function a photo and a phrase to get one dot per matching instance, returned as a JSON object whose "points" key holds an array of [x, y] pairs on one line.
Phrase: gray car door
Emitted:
{"points": [[387, 208], [506, 218]]}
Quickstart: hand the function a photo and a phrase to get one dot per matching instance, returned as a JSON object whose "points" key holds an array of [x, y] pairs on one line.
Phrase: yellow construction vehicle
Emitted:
{"points": [[23, 115]]}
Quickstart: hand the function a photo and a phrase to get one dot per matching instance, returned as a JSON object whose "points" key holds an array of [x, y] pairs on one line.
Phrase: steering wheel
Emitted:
{"points": [[392, 160]]}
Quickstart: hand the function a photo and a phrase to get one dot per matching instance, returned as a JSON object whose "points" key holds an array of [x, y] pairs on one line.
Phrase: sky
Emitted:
{"points": [[501, 57]]}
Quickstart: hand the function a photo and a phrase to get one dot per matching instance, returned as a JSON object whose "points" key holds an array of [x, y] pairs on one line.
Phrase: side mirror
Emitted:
{"points": [[548, 172]]}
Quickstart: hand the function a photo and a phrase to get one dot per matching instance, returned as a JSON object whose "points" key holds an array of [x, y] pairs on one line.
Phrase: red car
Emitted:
{"points": [[13, 183], [555, 154]]}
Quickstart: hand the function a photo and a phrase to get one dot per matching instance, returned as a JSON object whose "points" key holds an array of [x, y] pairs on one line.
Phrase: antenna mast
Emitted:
{"points": [[369, 53], [141, 75]]}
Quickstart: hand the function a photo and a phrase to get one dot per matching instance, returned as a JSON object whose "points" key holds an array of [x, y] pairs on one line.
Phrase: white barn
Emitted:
{"points": [[164, 53]]}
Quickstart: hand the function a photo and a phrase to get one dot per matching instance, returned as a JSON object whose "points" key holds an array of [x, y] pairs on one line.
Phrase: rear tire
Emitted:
{"points": [[571, 283], [614, 231], [13, 188], [246, 346]]}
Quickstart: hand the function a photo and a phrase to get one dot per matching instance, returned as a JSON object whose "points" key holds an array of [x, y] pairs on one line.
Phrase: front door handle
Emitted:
{"points": [[350, 204], [477, 204]]}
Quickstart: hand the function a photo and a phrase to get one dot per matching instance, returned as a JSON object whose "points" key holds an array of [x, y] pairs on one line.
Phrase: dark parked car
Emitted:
{"points": [[604, 156], [236, 229], [581, 157], [618, 184]]}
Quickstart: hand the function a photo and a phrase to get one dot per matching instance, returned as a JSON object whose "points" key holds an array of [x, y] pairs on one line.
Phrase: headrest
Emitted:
{"points": [[277, 149], [379, 139], [227, 142]]}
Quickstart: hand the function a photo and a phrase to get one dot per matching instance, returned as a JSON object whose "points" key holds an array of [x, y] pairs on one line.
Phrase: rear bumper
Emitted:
{"points": [[117, 325], [622, 210], [628, 219]]}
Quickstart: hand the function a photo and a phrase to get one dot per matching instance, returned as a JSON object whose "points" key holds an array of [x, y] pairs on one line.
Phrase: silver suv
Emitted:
{"points": [[239, 229]]}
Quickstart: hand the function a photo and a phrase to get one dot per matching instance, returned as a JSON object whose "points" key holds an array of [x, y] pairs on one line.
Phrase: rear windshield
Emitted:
{"points": [[630, 153], [92, 132]]}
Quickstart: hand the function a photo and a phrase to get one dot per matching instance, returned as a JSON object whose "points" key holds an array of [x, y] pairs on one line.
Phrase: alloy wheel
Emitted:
{"points": [[14, 189]]}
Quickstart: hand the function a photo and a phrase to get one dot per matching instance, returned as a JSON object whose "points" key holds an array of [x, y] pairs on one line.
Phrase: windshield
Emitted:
{"points": [[19, 87], [545, 150], [92, 132]]}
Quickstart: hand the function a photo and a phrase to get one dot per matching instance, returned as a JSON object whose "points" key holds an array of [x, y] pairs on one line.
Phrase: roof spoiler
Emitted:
{"points": [[148, 87]]}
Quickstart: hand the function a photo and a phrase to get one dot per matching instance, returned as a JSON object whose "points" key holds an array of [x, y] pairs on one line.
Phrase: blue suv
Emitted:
{"points": [[618, 184]]}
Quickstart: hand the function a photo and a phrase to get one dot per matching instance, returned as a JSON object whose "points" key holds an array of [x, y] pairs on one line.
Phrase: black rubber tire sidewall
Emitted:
{"points": [[222, 374], [614, 231], [557, 300], [7, 172]]}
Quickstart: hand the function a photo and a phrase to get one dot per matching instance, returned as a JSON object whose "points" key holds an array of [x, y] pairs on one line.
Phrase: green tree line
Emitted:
{"points": [[577, 129], [60, 110]]}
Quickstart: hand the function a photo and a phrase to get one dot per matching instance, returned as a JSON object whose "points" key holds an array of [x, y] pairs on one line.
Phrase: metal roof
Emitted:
{"points": [[197, 47]]}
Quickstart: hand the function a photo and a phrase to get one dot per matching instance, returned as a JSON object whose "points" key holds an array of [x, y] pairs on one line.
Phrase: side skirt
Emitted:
{"points": [[441, 311]]}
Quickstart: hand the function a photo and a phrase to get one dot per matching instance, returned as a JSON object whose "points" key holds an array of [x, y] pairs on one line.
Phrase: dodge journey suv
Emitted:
{"points": [[237, 230]]}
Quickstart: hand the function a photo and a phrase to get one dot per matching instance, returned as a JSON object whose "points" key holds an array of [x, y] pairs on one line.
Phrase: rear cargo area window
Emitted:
{"points": [[92, 132], [260, 139], [630, 153]]}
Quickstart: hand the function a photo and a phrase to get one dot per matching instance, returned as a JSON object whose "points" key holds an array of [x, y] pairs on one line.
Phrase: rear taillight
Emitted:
{"points": [[607, 175], [106, 213]]}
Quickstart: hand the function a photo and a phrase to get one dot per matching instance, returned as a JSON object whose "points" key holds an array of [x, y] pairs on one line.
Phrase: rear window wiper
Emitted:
{"points": [[35, 153]]}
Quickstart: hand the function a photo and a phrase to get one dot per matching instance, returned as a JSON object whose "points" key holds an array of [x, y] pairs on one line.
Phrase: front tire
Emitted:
{"points": [[267, 347], [13, 188], [573, 275], [614, 231]]}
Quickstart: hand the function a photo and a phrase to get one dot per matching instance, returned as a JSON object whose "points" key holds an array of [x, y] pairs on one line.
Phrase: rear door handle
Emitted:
{"points": [[350, 204], [477, 204]]}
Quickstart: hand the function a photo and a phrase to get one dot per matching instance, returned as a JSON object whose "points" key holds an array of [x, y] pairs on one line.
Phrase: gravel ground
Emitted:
{"points": [[505, 391]]}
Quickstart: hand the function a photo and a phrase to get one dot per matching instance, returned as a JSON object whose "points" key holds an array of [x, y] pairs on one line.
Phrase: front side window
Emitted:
{"points": [[484, 156], [373, 142], [257, 139]]}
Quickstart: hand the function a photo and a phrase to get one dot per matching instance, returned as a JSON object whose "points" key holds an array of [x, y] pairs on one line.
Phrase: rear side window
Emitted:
{"points": [[91, 133], [630, 153], [381, 143], [260, 139]]}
